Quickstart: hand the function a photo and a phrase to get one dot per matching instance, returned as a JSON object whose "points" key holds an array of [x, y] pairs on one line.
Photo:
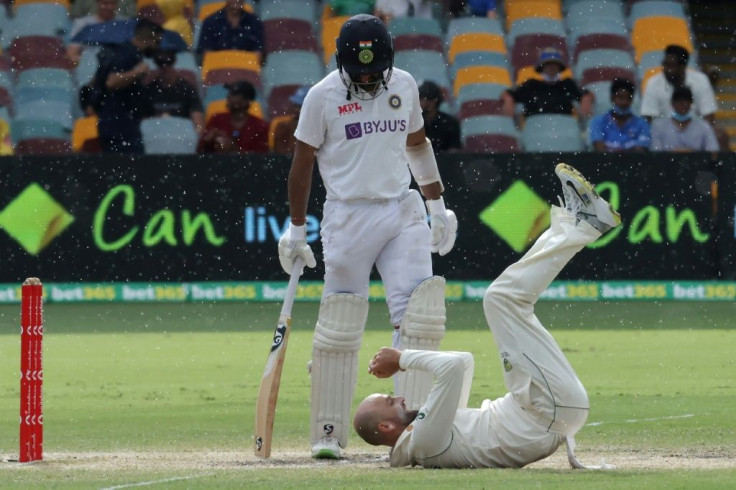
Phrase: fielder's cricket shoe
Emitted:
{"points": [[583, 202], [326, 448]]}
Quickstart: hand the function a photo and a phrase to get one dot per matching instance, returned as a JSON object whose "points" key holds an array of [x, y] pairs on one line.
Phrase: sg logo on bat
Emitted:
{"points": [[278, 337]]}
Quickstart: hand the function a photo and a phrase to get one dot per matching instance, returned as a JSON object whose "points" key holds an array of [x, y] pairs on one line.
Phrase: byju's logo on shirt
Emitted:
{"points": [[356, 130], [349, 109]]}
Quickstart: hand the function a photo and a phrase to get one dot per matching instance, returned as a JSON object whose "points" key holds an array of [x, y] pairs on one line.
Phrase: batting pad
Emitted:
{"points": [[337, 339], [422, 328]]}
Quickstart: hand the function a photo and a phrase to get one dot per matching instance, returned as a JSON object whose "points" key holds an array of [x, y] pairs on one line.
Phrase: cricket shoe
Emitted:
{"points": [[582, 201], [326, 448]]}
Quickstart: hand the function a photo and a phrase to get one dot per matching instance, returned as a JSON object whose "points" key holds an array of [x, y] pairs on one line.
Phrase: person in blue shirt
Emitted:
{"points": [[231, 28], [619, 129]]}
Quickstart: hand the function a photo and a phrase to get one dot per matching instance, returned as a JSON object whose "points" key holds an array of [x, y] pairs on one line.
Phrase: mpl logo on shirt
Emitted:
{"points": [[356, 130], [349, 109]]}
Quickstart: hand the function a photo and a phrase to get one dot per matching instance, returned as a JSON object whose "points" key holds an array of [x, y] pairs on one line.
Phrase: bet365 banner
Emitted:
{"points": [[159, 219]]}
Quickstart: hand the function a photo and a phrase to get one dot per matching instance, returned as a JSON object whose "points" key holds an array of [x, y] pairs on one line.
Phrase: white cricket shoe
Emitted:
{"points": [[583, 202], [326, 448]]}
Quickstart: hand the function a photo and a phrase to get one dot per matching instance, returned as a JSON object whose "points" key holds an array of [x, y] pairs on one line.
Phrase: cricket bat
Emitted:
{"points": [[269, 391]]}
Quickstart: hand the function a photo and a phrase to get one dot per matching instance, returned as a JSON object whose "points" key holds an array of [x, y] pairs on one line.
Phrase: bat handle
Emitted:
{"points": [[296, 271]]}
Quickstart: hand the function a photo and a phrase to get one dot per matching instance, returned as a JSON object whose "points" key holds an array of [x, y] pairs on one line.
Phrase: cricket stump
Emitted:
{"points": [[31, 371]]}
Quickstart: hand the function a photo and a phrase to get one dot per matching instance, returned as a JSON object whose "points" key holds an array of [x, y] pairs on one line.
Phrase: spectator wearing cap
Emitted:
{"points": [[657, 96], [682, 130], [170, 94], [550, 95], [235, 131], [441, 128], [619, 129], [283, 140], [231, 28], [482, 8]]}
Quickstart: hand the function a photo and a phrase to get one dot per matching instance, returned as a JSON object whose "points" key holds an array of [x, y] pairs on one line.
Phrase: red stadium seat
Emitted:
{"points": [[601, 41], [480, 107], [43, 146], [605, 74], [403, 42], [286, 34], [278, 100], [491, 143], [38, 52]]}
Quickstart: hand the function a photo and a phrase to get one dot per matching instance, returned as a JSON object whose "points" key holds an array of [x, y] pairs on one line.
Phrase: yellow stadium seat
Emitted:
{"points": [[655, 33], [65, 3], [475, 41], [172, 8], [530, 72], [481, 74], [519, 9], [210, 8], [272, 130], [330, 30], [181, 26], [230, 58], [220, 106], [85, 129]]}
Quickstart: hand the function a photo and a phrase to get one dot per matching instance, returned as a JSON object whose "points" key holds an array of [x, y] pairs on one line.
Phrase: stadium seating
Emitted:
{"points": [[527, 47], [168, 135], [655, 33], [535, 26], [304, 10], [600, 41], [220, 67], [414, 25], [475, 41], [30, 128], [489, 133], [38, 19], [85, 138], [292, 68], [330, 30], [405, 42], [481, 74], [652, 8], [476, 58], [425, 65], [464, 25], [38, 52], [551, 132], [286, 34], [602, 58], [517, 10]]}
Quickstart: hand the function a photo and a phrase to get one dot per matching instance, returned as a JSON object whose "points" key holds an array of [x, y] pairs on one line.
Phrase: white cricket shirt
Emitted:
{"points": [[361, 144], [657, 98], [446, 434]]}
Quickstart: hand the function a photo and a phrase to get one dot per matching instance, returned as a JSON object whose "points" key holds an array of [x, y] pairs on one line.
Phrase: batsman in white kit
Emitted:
{"points": [[363, 123], [546, 404]]}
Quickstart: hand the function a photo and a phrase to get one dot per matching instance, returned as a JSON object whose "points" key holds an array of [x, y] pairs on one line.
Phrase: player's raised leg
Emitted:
{"points": [[535, 370]]}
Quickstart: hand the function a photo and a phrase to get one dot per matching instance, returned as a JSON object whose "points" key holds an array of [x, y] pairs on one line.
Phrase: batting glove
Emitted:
{"points": [[444, 226], [294, 244]]}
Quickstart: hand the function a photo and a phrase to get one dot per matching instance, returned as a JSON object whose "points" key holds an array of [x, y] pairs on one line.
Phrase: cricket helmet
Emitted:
{"points": [[364, 47]]}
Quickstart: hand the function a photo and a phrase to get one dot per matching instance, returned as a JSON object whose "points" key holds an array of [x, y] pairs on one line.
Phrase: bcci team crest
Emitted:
{"points": [[365, 55], [394, 101]]}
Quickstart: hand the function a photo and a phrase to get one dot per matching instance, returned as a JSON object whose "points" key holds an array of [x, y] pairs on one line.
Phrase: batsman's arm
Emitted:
{"points": [[300, 182], [423, 165]]}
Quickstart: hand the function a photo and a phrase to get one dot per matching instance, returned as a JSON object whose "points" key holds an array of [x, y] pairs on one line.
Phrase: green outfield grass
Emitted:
{"points": [[170, 378]]}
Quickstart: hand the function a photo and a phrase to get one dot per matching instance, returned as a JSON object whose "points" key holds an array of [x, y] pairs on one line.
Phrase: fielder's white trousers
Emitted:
{"points": [[536, 371], [393, 234]]}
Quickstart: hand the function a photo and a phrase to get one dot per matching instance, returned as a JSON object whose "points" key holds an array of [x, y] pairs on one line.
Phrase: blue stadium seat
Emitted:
{"points": [[56, 110], [597, 26], [415, 25], [463, 25], [551, 132], [45, 77], [473, 58], [480, 91], [30, 128], [583, 11], [289, 9], [168, 135], [649, 8], [38, 19], [425, 65], [535, 25], [487, 125], [598, 58], [292, 68]]}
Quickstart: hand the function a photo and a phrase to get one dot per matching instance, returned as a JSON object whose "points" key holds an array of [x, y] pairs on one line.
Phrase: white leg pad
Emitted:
{"points": [[337, 339], [422, 328]]}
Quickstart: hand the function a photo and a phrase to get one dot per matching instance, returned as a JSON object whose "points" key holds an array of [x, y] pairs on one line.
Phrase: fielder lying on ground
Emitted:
{"points": [[546, 403]]}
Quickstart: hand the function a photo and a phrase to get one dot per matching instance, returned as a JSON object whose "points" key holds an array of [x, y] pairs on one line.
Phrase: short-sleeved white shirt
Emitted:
{"points": [[361, 144], [657, 98]]}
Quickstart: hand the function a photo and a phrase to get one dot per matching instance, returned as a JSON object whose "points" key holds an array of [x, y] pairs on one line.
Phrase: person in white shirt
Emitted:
{"points": [[546, 403], [363, 123]]}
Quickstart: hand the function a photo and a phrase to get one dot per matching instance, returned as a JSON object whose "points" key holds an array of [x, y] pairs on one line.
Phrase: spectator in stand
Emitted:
{"points": [[235, 131], [552, 94], [170, 94], [283, 134], [105, 12], [482, 8], [682, 130], [388, 9], [231, 28], [619, 129], [79, 8], [118, 92], [442, 129], [675, 73], [351, 7]]}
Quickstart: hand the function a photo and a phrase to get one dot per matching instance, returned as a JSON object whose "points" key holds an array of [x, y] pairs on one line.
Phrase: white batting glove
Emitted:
{"points": [[294, 244], [444, 226]]}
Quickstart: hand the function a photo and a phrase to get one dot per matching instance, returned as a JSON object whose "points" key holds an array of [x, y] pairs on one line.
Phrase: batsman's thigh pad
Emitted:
{"points": [[337, 339], [422, 328]]}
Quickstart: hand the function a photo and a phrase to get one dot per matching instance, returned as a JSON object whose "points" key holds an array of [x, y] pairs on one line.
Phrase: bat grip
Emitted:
{"points": [[296, 271]]}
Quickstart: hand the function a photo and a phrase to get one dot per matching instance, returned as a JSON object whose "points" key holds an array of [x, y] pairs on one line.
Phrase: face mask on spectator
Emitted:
{"points": [[621, 111], [681, 117], [550, 78]]}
